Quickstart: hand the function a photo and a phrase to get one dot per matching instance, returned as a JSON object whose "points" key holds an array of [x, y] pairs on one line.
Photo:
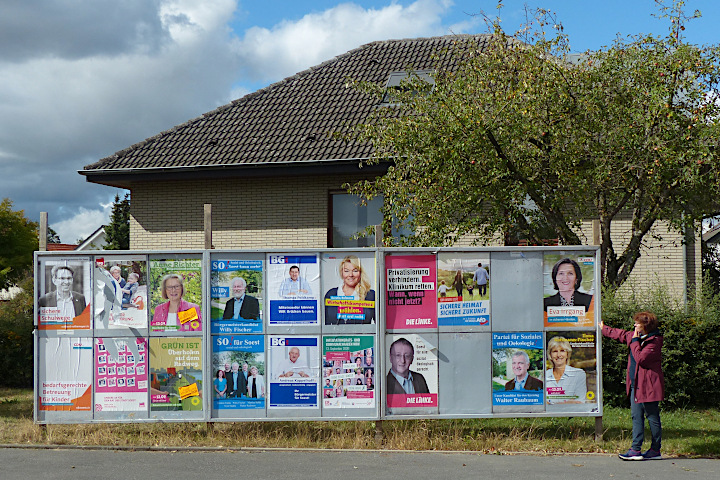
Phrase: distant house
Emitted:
{"points": [[272, 170], [95, 241]]}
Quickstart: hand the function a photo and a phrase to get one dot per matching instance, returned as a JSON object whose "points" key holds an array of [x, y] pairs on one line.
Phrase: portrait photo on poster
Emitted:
{"points": [[175, 303], [65, 294], [293, 289], [569, 289], [412, 379], [121, 292], [571, 371], [463, 289], [518, 368], [294, 371], [349, 284], [236, 299]]}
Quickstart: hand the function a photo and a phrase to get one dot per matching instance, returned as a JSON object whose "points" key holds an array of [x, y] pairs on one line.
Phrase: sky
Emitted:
{"points": [[83, 79]]}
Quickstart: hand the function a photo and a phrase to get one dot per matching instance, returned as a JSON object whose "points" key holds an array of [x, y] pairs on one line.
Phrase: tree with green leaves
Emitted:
{"points": [[18, 241], [521, 136], [117, 232]]}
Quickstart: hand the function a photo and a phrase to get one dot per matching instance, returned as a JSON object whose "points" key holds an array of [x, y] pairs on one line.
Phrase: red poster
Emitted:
{"points": [[411, 287]]}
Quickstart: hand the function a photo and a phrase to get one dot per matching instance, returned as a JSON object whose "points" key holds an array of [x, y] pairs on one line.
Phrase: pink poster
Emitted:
{"points": [[411, 297]]}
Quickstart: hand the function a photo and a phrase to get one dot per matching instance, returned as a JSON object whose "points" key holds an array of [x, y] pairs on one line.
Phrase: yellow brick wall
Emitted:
{"points": [[282, 212], [277, 212]]}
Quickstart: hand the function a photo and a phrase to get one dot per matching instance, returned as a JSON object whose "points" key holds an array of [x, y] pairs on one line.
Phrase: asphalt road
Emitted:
{"points": [[79, 464]]}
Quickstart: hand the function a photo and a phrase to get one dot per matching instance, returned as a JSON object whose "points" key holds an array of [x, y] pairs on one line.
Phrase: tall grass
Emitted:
{"points": [[685, 433]]}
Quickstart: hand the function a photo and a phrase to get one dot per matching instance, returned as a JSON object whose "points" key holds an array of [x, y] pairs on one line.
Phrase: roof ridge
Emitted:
{"points": [[272, 86]]}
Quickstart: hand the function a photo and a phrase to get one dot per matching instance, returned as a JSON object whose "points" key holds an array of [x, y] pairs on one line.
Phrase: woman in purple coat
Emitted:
{"points": [[645, 381]]}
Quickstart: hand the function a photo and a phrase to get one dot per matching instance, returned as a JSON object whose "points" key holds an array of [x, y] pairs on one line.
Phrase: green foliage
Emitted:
{"points": [[691, 363], [117, 232], [521, 139], [16, 338], [18, 241]]}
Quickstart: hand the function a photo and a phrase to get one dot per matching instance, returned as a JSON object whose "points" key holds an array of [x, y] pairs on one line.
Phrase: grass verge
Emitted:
{"points": [[685, 433]]}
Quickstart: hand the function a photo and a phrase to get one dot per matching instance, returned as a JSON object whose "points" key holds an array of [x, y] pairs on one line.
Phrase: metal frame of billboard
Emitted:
{"points": [[470, 400]]}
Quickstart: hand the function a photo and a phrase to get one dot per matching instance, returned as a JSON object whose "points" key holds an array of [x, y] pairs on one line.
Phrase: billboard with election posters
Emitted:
{"points": [[121, 375], [349, 371], [120, 291], [571, 371], [349, 288], [176, 295], [65, 374], [518, 369], [569, 289], [239, 373], [411, 383], [293, 289], [236, 296], [411, 292], [176, 374], [463, 289], [294, 372], [65, 294]]}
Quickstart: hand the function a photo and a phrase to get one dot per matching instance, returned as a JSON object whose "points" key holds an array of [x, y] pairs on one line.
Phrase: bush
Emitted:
{"points": [[691, 349], [16, 338]]}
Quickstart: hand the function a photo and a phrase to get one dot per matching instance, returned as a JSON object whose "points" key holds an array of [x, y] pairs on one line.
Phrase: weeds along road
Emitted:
{"points": [[80, 464]]}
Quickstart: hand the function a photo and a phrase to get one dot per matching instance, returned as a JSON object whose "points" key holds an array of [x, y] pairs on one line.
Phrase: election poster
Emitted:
{"points": [[294, 372], [349, 371], [571, 371], [569, 289], [463, 289], [121, 375], [65, 290], [349, 284], [176, 298], [121, 292], [411, 287], [517, 363], [293, 289], [236, 296], [176, 374], [65, 374], [238, 368], [412, 380]]}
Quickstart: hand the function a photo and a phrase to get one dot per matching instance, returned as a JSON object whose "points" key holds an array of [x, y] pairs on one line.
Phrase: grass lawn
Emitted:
{"points": [[685, 432]]}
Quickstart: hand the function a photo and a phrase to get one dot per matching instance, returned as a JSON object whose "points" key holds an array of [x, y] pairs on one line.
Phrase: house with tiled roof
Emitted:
{"points": [[274, 173]]}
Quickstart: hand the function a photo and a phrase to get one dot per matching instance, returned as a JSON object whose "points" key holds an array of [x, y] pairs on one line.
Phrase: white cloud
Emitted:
{"points": [[289, 47], [82, 224]]}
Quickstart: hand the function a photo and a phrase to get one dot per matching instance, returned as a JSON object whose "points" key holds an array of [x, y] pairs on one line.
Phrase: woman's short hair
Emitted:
{"points": [[578, 273], [648, 320], [168, 277], [558, 342], [253, 368]]}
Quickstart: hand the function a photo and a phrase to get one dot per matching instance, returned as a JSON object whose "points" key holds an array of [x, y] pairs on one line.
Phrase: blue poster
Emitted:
{"points": [[294, 289], [518, 368], [236, 295], [294, 372]]}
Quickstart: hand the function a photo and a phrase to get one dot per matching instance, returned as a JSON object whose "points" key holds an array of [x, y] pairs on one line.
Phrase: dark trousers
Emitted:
{"points": [[482, 289], [640, 411]]}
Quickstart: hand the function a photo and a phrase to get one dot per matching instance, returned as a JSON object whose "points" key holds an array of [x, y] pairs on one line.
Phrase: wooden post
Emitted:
{"points": [[378, 236], [43, 232], [208, 226], [596, 232], [598, 429]]}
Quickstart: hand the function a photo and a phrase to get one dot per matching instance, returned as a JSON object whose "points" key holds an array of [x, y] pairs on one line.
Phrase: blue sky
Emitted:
{"points": [[82, 79]]}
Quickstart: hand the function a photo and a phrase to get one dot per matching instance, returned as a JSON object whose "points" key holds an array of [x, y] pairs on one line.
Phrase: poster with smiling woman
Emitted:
{"points": [[569, 286], [349, 288]]}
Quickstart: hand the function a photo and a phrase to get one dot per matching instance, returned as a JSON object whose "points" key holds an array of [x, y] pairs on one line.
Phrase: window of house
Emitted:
{"points": [[348, 217], [395, 84]]}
